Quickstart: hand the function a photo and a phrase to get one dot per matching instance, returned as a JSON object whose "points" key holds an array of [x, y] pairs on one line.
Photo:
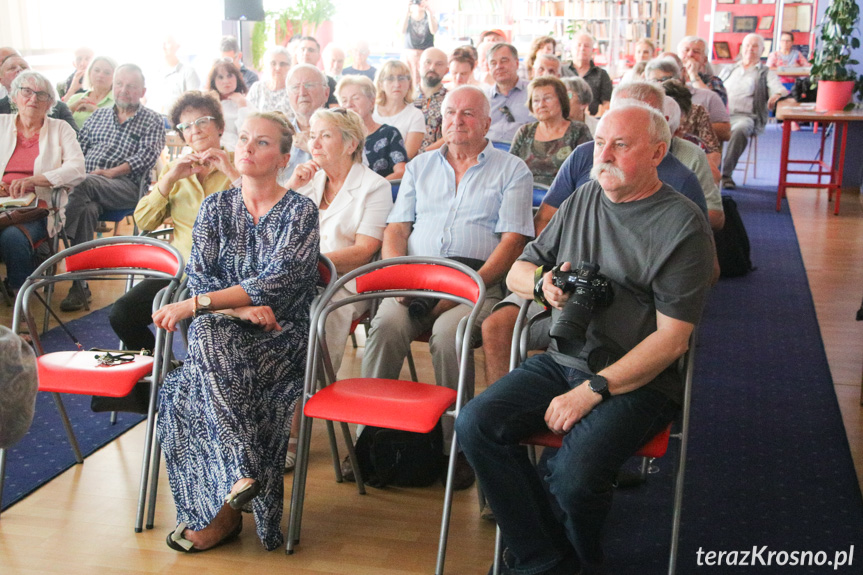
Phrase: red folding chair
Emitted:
{"points": [[390, 403], [653, 449], [79, 372]]}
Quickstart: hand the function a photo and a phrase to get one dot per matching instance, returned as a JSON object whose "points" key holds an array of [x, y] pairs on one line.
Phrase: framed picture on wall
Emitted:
{"points": [[768, 47], [722, 22], [745, 24], [766, 23], [721, 51], [768, 1], [725, 1]]}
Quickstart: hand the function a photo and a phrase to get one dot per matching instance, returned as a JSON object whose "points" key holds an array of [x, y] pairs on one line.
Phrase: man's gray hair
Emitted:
{"points": [[498, 46], [229, 44], [43, 84], [580, 87], [757, 37], [690, 39], [585, 34], [665, 65], [134, 68], [657, 128], [648, 92], [309, 67], [486, 107], [549, 57]]}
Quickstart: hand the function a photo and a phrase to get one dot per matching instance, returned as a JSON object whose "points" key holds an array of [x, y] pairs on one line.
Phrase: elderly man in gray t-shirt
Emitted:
{"points": [[612, 385]]}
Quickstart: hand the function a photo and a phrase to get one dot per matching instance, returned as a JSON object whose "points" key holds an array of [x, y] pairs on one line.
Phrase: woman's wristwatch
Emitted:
{"points": [[203, 304]]}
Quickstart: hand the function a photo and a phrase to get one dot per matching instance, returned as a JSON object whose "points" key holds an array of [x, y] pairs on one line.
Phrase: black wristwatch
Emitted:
{"points": [[599, 384]]}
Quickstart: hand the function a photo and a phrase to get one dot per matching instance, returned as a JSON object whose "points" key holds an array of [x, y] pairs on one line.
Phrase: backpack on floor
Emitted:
{"points": [[732, 243], [400, 458]]}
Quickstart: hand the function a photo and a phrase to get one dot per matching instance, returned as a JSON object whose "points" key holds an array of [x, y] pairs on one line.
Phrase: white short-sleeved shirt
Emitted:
{"points": [[407, 121]]}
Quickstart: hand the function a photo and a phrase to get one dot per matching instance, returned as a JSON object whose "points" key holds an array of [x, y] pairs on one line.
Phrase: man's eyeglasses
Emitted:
{"points": [[201, 123], [506, 113], [307, 86], [40, 96], [400, 78]]}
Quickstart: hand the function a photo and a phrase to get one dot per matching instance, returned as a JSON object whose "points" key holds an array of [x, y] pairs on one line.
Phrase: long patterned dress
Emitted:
{"points": [[224, 414]]}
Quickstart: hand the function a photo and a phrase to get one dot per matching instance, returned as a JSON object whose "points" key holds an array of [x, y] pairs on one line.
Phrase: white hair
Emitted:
{"points": [[486, 107], [657, 129], [321, 76], [672, 114]]}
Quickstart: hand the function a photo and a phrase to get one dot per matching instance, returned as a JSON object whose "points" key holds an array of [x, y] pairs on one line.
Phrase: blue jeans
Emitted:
{"points": [[580, 477], [17, 252]]}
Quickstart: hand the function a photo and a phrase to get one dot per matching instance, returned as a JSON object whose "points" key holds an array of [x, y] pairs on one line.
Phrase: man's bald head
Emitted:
{"points": [[433, 67]]}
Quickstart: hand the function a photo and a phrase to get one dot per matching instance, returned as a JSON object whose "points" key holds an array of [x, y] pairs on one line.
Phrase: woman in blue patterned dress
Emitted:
{"points": [[223, 414]]}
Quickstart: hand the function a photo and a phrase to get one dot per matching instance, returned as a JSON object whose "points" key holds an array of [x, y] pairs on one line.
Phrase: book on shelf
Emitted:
{"points": [[10, 202]]}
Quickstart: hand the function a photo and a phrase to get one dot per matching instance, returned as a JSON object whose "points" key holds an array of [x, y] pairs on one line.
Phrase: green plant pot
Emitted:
{"points": [[833, 96]]}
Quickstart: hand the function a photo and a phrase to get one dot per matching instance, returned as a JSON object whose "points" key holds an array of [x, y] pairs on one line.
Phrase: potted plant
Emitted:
{"points": [[832, 64], [303, 17]]}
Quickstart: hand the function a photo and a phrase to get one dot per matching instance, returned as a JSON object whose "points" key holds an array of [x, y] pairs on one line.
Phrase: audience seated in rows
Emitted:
{"points": [[466, 200], [182, 186], [615, 376], [307, 92], [708, 99], [546, 65], [433, 67], [544, 145], [360, 54], [462, 63], [75, 82], [580, 96], [353, 204], [226, 83], [695, 124], [539, 45], [120, 145], [692, 52], [10, 67], [37, 153], [753, 90], [98, 90], [394, 105], [230, 49], [254, 260], [508, 95], [271, 94], [582, 65], [384, 146]]}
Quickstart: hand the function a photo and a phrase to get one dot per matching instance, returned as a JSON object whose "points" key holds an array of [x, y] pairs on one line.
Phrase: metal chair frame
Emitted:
{"points": [[686, 366], [44, 276], [318, 367]]}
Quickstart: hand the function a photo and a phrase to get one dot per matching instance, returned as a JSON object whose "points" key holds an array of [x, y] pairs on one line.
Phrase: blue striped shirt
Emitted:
{"points": [[494, 197], [502, 129], [106, 143]]}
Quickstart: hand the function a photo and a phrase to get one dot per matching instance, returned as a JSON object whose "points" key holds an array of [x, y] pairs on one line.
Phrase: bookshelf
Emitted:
{"points": [[616, 24], [733, 20]]}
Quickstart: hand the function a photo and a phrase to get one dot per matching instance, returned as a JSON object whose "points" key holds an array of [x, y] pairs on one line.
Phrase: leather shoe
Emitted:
{"points": [[464, 475], [727, 183], [348, 470], [78, 298]]}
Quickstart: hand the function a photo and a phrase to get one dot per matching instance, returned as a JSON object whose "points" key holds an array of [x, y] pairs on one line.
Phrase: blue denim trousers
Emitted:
{"points": [[489, 429], [17, 252]]}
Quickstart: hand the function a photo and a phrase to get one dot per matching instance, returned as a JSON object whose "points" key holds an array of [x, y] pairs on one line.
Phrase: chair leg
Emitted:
{"points": [[148, 450], [412, 367], [498, 552], [68, 426], [354, 340], [2, 474], [334, 451], [352, 455], [295, 517], [154, 483], [447, 507]]}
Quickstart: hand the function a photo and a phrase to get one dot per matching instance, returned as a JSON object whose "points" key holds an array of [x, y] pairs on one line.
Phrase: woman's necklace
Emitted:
{"points": [[325, 203]]}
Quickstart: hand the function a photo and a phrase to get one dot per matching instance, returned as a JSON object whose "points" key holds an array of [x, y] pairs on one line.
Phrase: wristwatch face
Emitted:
{"points": [[204, 301], [599, 384]]}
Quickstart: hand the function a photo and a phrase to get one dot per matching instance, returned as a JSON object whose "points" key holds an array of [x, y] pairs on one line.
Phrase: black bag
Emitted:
{"points": [[732, 243], [400, 458]]}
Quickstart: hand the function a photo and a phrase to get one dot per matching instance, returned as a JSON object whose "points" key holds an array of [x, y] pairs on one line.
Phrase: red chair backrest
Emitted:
{"points": [[419, 277], [123, 256]]}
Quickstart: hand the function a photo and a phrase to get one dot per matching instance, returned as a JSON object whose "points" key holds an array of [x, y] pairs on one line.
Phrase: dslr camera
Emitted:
{"points": [[588, 289]]}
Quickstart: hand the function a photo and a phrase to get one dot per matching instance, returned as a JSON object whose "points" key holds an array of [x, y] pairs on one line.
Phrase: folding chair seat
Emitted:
{"points": [[655, 448], [117, 216], [389, 403], [78, 372]]}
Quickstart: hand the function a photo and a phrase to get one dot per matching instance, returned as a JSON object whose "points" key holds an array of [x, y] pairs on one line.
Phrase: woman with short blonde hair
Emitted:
{"points": [[395, 104]]}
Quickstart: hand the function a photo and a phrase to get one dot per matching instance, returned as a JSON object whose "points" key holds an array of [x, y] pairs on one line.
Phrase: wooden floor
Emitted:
{"points": [[81, 522]]}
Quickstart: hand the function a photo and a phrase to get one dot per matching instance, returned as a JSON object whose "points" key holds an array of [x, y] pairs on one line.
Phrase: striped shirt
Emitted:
{"points": [[494, 196], [106, 143]]}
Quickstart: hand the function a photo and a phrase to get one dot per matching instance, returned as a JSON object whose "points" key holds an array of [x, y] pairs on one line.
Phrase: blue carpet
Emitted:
{"points": [[45, 452], [768, 462]]}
